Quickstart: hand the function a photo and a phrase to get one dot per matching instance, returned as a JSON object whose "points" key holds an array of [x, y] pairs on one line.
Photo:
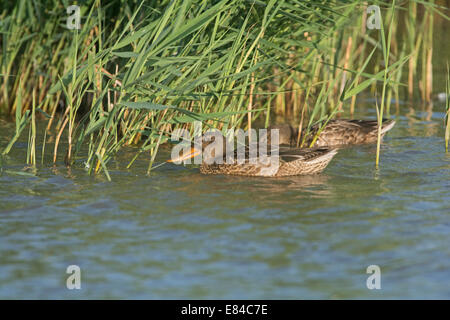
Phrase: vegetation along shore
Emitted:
{"points": [[135, 71]]}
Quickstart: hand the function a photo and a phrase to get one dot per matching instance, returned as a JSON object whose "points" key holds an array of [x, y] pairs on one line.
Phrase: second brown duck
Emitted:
{"points": [[336, 132]]}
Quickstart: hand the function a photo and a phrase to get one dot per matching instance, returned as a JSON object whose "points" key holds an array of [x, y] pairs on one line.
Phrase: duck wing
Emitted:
{"points": [[309, 155]]}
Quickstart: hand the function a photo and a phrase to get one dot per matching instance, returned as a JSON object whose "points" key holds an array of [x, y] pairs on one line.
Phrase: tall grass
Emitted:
{"points": [[135, 71], [386, 47]]}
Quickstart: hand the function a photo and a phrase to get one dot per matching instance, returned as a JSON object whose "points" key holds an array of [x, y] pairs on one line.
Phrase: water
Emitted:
{"points": [[180, 234]]}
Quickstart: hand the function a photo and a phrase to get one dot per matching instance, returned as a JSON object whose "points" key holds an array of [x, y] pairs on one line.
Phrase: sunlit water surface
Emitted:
{"points": [[180, 234]]}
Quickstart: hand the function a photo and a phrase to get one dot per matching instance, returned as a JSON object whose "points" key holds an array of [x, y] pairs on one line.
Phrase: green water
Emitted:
{"points": [[180, 234]]}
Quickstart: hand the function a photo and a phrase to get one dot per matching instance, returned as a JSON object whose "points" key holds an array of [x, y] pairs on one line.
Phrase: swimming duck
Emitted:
{"points": [[288, 162], [337, 132]]}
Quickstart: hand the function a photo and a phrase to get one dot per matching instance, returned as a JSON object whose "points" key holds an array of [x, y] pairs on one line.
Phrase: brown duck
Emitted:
{"points": [[336, 132], [289, 162]]}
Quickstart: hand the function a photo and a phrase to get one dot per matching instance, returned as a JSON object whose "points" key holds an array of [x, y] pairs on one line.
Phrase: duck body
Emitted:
{"points": [[336, 132], [343, 132], [289, 162]]}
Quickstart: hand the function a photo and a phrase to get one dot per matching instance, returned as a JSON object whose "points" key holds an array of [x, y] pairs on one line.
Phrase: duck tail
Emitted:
{"points": [[318, 162], [324, 154], [387, 125]]}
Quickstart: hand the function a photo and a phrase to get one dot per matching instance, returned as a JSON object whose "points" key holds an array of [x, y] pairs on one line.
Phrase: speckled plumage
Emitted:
{"points": [[290, 162], [342, 132], [337, 132]]}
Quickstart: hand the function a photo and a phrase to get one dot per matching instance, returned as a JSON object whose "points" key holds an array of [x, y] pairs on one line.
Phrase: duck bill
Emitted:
{"points": [[191, 154]]}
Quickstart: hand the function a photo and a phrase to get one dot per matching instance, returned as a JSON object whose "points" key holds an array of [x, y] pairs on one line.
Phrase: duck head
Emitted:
{"points": [[211, 146]]}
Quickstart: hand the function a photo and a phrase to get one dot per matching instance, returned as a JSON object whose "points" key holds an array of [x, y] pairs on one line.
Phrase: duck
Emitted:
{"points": [[338, 132], [286, 161]]}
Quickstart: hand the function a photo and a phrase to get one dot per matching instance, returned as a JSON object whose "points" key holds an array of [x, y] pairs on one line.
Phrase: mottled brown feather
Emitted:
{"points": [[336, 132], [342, 132], [291, 162]]}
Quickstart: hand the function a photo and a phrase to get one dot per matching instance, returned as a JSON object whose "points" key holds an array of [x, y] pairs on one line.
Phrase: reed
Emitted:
{"points": [[31, 153], [386, 45], [22, 119], [136, 71], [447, 109]]}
